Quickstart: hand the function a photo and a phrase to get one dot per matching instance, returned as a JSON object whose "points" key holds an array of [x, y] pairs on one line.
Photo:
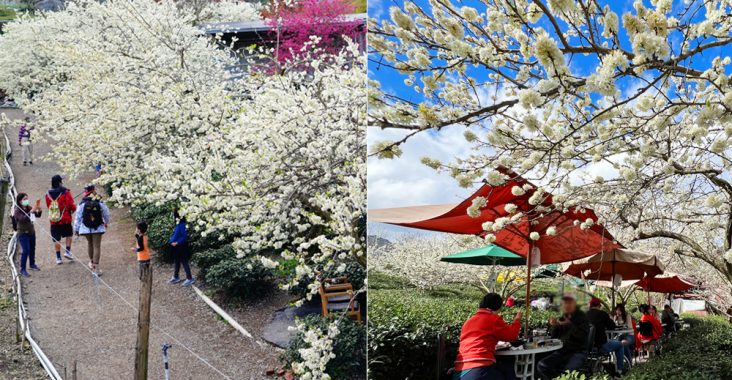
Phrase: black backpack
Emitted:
{"points": [[92, 215]]}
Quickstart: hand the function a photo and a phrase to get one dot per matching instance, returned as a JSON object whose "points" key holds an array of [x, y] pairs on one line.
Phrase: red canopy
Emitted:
{"points": [[666, 284], [569, 243]]}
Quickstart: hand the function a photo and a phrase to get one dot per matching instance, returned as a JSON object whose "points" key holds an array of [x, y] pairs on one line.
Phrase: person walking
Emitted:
{"points": [[60, 205], [25, 142], [92, 221], [181, 250], [24, 216]]}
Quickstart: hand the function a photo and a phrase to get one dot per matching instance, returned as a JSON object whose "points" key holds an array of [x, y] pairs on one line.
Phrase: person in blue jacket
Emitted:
{"points": [[181, 250]]}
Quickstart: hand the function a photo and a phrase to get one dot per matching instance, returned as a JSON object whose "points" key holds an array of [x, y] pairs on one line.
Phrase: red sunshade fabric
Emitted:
{"points": [[569, 243], [670, 284]]}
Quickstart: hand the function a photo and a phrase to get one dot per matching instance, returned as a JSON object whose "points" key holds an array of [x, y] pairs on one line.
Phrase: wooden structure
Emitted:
{"points": [[336, 296]]}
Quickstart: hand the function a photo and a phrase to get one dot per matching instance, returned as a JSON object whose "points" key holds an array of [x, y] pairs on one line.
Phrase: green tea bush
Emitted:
{"points": [[574, 375], [700, 352], [349, 346], [404, 325], [242, 278]]}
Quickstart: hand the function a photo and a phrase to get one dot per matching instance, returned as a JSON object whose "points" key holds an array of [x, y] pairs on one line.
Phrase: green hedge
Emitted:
{"points": [[404, 325], [349, 347], [241, 278], [700, 352]]}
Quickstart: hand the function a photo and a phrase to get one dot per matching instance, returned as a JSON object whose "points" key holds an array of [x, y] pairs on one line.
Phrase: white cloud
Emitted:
{"points": [[376, 9], [405, 181]]}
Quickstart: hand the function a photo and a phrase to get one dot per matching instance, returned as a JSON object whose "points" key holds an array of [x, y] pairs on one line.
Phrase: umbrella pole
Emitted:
{"points": [[612, 285], [528, 291]]}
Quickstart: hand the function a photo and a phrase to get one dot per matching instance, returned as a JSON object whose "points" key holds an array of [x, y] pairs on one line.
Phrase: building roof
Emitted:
{"points": [[256, 25]]}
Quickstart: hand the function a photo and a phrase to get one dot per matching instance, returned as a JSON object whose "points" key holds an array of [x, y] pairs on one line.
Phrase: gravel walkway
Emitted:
{"points": [[74, 319]]}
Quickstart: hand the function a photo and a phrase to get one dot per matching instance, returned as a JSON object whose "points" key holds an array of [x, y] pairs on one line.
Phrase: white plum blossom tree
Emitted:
{"points": [[642, 136], [417, 259], [278, 161]]}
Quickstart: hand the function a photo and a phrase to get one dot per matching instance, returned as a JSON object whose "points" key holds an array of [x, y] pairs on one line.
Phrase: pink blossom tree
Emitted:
{"points": [[293, 26]]}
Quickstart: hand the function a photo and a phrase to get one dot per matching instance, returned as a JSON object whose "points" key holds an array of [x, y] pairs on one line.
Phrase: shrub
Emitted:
{"points": [[574, 375], [349, 347], [404, 325], [236, 277], [700, 352]]}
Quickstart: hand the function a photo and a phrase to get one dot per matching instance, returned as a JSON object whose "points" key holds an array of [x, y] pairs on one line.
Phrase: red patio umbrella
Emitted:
{"points": [[604, 266], [670, 283], [569, 241]]}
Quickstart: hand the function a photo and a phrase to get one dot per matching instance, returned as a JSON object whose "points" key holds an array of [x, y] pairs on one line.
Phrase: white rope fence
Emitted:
{"points": [[23, 321]]}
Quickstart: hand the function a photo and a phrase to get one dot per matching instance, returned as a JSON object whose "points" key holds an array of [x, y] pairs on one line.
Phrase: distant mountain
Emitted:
{"points": [[49, 5], [375, 241]]}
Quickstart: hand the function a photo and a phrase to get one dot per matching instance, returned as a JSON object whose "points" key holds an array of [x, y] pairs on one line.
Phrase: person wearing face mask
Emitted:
{"points": [[26, 231], [181, 250]]}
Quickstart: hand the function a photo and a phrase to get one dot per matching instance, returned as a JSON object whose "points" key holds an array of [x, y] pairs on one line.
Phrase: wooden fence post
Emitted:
{"points": [[143, 323]]}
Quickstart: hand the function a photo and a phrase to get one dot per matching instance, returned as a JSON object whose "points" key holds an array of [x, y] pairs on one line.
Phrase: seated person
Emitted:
{"points": [[649, 328], [624, 320], [668, 319], [602, 322], [476, 357], [573, 330]]}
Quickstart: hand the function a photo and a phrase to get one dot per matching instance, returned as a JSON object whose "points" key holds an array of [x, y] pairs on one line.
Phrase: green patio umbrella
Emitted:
{"points": [[488, 255]]}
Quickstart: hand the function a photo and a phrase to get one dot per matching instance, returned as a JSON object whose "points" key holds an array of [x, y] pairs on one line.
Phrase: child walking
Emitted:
{"points": [[141, 247]]}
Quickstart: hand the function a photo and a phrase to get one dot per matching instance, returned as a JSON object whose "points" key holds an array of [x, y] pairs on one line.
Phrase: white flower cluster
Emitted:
{"points": [[317, 352]]}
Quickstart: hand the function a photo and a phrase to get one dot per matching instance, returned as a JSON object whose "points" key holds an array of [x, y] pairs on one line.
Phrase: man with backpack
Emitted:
{"points": [[91, 221], [60, 205]]}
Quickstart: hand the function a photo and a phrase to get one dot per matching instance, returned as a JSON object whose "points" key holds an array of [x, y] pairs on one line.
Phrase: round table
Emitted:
{"points": [[614, 334], [525, 357]]}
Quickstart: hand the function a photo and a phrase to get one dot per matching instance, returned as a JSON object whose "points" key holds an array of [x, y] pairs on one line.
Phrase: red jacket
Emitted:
{"points": [[65, 203], [657, 328], [479, 337]]}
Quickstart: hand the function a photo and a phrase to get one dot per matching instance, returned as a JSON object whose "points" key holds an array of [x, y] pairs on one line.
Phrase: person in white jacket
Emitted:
{"points": [[91, 221]]}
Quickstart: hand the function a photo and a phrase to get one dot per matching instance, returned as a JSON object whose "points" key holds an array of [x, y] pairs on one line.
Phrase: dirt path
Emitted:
{"points": [[75, 320]]}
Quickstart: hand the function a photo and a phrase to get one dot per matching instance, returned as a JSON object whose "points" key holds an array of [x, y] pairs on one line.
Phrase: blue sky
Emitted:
{"points": [[404, 181]]}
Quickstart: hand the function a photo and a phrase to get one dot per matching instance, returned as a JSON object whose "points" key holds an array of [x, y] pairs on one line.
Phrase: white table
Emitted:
{"points": [[525, 357], [614, 334]]}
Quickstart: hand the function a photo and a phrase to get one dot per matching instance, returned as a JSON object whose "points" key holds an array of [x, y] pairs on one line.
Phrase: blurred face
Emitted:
{"points": [[569, 305], [25, 201]]}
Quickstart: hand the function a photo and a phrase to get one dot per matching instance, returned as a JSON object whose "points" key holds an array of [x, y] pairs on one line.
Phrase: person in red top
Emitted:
{"points": [[60, 205], [510, 301], [655, 332], [476, 357]]}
